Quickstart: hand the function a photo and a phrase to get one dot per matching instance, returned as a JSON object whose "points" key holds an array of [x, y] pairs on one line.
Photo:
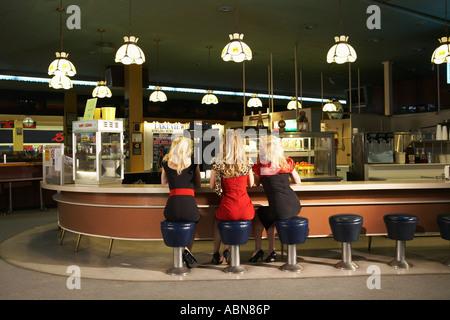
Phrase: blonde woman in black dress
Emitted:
{"points": [[275, 172], [181, 175]]}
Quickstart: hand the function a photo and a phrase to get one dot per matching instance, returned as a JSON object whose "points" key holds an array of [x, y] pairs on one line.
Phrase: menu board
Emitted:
{"points": [[161, 146]]}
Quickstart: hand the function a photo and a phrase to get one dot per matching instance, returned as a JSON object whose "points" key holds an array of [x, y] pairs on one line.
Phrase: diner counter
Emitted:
{"points": [[135, 211]]}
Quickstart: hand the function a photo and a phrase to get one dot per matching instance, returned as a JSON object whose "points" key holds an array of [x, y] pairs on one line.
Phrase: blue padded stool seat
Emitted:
{"points": [[444, 225], [177, 235], [346, 227], [234, 233], [401, 226], [292, 231]]}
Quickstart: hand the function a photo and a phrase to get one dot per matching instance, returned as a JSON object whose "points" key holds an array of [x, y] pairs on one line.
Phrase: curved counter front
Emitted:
{"points": [[134, 212]]}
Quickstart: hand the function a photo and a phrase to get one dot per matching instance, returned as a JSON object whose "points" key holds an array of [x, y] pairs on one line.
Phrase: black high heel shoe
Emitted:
{"points": [[272, 257], [216, 258], [226, 255], [257, 256], [189, 259]]}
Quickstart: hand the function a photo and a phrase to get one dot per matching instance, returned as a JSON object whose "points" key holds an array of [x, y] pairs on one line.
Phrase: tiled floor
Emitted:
{"points": [[30, 250]]}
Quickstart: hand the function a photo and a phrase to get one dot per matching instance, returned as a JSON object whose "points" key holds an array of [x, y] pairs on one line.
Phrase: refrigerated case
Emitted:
{"points": [[314, 152], [98, 152]]}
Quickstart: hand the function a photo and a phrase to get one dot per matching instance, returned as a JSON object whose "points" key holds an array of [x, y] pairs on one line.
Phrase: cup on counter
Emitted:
{"points": [[202, 174], [208, 174], [400, 157], [108, 113], [97, 113]]}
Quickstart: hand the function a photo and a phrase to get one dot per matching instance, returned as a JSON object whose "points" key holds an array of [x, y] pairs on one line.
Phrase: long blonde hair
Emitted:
{"points": [[180, 153], [271, 151], [232, 160]]}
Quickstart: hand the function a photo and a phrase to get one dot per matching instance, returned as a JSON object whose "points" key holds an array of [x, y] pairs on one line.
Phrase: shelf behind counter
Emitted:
{"points": [[134, 211]]}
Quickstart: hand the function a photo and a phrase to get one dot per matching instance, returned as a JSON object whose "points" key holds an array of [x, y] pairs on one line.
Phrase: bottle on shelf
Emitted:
{"points": [[423, 157], [410, 157]]}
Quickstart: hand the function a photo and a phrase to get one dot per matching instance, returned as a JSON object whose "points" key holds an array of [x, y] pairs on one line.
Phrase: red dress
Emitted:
{"points": [[235, 203]]}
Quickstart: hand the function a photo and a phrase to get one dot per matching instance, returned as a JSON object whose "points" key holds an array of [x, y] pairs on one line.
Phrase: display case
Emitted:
{"points": [[313, 152], [98, 152]]}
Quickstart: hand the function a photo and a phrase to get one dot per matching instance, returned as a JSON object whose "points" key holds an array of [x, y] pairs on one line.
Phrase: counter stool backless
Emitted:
{"points": [[292, 232], [177, 235], [234, 234], [346, 229], [400, 227], [444, 226]]}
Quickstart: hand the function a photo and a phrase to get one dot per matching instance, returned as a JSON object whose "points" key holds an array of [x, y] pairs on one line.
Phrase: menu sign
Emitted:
{"points": [[8, 124], [161, 146]]}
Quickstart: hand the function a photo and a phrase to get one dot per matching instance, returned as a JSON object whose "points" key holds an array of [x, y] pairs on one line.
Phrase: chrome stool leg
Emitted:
{"points": [[347, 263], [178, 268], [291, 264], [400, 262], [235, 263]]}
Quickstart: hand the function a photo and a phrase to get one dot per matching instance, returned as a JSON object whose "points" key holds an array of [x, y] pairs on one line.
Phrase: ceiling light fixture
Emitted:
{"points": [[101, 90], [61, 68], [129, 52], [292, 106], [236, 50], [442, 53], [330, 106], [341, 51], [254, 102], [157, 95], [209, 97]]}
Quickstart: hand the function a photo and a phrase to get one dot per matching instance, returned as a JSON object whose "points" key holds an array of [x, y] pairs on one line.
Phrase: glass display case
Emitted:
{"points": [[98, 152], [313, 152]]}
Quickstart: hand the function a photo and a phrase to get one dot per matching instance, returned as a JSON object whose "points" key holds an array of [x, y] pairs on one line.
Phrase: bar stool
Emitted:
{"points": [[444, 226], [234, 233], [400, 227], [346, 229], [177, 235], [292, 232]]}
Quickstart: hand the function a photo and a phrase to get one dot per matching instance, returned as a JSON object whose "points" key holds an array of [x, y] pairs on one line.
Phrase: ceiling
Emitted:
{"points": [[408, 35]]}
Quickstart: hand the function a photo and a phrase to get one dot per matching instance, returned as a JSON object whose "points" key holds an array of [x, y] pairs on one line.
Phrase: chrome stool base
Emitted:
{"points": [[347, 263], [400, 262], [291, 265], [178, 269], [235, 263]]}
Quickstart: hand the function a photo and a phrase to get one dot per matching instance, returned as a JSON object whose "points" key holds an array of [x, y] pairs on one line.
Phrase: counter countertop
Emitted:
{"points": [[304, 186]]}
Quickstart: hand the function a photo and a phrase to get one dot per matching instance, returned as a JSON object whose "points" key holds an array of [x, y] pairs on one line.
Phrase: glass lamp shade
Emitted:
{"points": [[209, 98], [62, 64], [236, 50], [291, 105], [254, 102], [60, 81], [330, 106], [341, 52], [129, 52], [158, 95], [28, 122], [101, 90], [442, 53]]}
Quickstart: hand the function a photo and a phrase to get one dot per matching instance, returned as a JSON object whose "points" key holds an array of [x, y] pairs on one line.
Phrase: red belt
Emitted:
{"points": [[182, 192]]}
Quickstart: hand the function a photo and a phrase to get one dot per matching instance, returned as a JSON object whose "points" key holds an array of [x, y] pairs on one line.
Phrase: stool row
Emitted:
{"points": [[345, 228]]}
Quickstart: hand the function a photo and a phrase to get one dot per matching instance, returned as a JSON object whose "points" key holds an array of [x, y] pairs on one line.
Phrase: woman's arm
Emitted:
{"points": [[212, 179], [164, 181], [257, 179], [295, 177], [250, 179], [197, 178]]}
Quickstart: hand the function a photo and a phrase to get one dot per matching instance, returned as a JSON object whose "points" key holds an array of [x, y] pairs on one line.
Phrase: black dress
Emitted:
{"points": [[181, 207], [283, 201]]}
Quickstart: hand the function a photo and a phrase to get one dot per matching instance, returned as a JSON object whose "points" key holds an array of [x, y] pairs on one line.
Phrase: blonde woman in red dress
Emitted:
{"points": [[274, 171], [230, 175]]}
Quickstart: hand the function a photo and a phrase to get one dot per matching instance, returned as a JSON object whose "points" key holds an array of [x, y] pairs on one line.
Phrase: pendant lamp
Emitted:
{"points": [[209, 97], [292, 105], [129, 52], [61, 68], [342, 51], [254, 102], [157, 95], [101, 90], [442, 53], [236, 50], [330, 106]]}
